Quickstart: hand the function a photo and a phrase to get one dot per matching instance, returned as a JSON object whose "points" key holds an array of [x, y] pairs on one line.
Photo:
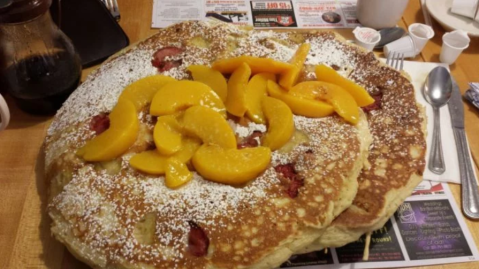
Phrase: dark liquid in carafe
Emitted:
{"points": [[40, 84]]}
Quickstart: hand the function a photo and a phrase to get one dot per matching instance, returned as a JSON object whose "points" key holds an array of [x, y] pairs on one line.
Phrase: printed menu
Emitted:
{"points": [[259, 13], [428, 228]]}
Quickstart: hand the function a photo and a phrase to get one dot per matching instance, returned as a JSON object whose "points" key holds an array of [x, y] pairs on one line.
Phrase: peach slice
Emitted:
{"points": [[235, 100], [289, 79], [231, 166], [141, 92], [124, 126], [280, 123], [150, 162], [167, 135], [209, 126], [257, 65], [176, 174], [341, 100], [189, 147], [255, 91], [178, 95], [154, 163], [210, 77], [300, 106], [327, 74]]}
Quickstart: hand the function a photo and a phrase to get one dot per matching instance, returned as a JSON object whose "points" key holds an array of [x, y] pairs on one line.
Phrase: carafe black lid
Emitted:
{"points": [[16, 11]]}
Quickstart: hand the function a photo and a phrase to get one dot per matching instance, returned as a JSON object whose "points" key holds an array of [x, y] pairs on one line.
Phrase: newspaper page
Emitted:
{"points": [[167, 12], [326, 14], [296, 14], [232, 11], [272, 14], [428, 228]]}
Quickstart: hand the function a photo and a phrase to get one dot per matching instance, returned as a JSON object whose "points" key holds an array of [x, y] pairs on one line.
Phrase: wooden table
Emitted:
{"points": [[25, 240]]}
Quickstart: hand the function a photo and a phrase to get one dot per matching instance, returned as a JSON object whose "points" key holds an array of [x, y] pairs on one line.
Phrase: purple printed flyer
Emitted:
{"points": [[427, 229], [384, 246], [430, 230]]}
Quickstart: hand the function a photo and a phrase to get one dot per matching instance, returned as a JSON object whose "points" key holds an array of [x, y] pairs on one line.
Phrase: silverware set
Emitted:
{"points": [[440, 89]]}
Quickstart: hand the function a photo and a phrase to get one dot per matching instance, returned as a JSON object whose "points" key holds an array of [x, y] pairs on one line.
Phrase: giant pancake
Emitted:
{"points": [[110, 215]]}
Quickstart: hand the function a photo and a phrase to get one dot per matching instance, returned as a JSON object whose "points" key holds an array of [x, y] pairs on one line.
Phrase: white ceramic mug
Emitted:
{"points": [[379, 14], [4, 114]]}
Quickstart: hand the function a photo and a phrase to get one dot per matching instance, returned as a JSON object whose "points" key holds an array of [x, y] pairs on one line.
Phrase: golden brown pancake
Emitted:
{"points": [[396, 156], [110, 215]]}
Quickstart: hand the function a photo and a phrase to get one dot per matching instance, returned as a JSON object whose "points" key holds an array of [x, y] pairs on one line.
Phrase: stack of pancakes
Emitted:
{"points": [[109, 215]]}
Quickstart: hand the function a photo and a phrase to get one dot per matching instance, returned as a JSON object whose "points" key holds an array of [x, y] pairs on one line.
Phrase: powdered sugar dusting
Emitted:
{"points": [[329, 52], [245, 131]]}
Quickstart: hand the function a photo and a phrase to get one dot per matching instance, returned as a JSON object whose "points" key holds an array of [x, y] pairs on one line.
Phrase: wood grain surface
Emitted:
{"points": [[25, 240]]}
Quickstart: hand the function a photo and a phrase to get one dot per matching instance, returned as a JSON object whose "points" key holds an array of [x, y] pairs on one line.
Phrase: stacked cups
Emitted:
{"points": [[412, 44]]}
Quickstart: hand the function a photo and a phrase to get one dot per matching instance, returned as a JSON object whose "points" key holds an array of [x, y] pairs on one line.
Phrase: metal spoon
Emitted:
{"points": [[437, 92]]}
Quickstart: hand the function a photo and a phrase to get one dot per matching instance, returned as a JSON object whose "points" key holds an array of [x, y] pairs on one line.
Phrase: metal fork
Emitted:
{"points": [[112, 6], [395, 60]]}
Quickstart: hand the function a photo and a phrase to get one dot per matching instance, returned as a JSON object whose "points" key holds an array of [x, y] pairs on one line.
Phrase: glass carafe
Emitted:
{"points": [[39, 66]]}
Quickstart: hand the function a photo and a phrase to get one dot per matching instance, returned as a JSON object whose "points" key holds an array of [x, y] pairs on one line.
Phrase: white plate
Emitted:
{"points": [[440, 10]]}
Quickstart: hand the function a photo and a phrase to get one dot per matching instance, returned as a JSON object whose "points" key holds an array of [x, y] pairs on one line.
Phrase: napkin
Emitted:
{"points": [[467, 8], [418, 72]]}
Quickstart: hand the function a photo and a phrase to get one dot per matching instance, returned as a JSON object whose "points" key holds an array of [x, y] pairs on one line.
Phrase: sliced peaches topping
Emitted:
{"points": [[167, 135], [257, 65], [210, 77], [300, 106], [255, 91], [141, 92], [289, 79], [280, 123], [342, 102], [117, 138], [235, 100], [188, 148], [327, 74], [176, 174], [209, 126], [152, 162], [231, 166], [179, 95]]}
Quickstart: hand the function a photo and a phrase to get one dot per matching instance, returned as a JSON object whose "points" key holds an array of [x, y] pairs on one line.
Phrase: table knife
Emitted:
{"points": [[469, 192]]}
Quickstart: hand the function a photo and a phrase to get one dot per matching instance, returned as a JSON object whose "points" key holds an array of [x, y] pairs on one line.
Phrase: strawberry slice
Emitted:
{"points": [[160, 55], [295, 181], [250, 141], [100, 123], [376, 105], [198, 242]]}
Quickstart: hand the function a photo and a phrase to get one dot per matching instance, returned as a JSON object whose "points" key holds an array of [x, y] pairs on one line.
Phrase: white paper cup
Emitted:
{"points": [[4, 114], [367, 38], [403, 45], [420, 34], [453, 44]]}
